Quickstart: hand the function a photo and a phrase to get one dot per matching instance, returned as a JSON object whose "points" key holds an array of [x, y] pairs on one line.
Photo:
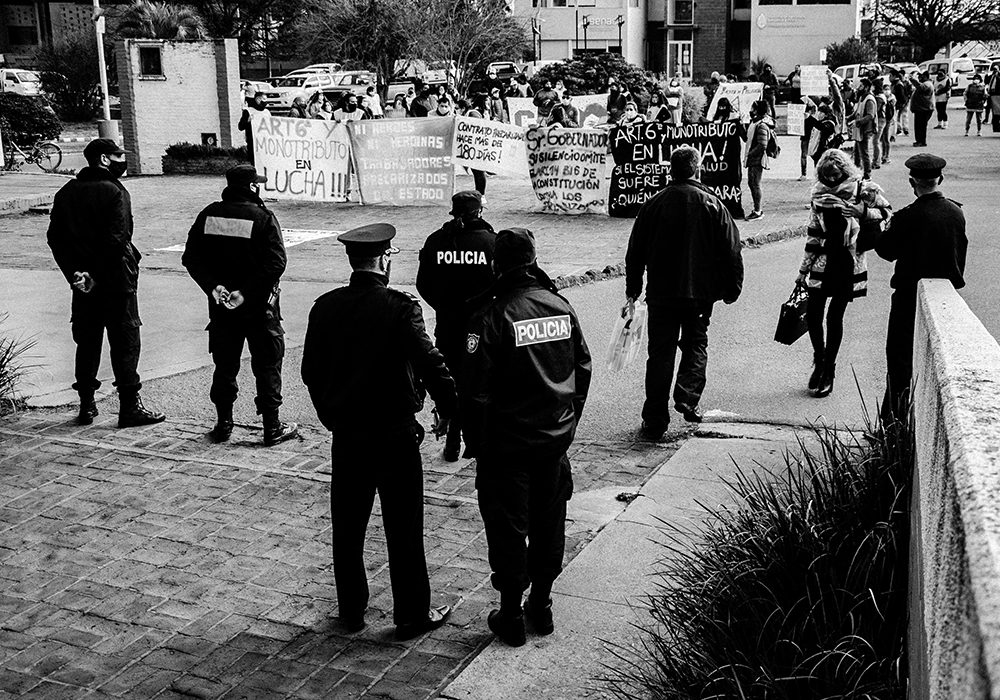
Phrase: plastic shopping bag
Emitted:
{"points": [[627, 338]]}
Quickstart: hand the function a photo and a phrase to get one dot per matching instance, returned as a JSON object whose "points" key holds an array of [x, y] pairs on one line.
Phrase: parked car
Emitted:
{"points": [[354, 82], [289, 87], [20, 82], [852, 73], [323, 68], [960, 70], [505, 70]]}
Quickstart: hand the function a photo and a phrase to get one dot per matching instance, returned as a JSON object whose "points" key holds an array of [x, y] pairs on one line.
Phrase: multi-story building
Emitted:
{"points": [[26, 26]]}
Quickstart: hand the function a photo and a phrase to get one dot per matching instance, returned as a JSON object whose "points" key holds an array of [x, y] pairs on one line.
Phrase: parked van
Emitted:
{"points": [[20, 82], [852, 73], [960, 70]]}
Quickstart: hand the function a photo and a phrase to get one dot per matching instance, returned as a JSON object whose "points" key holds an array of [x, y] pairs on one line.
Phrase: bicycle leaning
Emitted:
{"points": [[45, 154]]}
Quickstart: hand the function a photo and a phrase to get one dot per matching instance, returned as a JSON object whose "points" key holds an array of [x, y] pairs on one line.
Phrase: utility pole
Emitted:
{"points": [[106, 128], [620, 21]]}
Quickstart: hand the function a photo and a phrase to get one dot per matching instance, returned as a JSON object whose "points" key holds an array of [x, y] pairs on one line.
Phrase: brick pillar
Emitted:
{"points": [[227, 71], [126, 91]]}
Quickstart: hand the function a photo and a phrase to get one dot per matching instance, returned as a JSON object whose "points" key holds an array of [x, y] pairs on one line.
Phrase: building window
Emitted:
{"points": [[679, 57], [775, 2], [150, 63], [558, 3], [22, 36], [683, 12], [822, 2]]}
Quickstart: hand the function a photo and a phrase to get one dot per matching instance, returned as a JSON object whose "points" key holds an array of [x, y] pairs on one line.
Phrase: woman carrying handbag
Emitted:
{"points": [[845, 217]]}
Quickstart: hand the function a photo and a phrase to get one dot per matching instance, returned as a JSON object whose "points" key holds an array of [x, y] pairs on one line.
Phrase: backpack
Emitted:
{"points": [[773, 150]]}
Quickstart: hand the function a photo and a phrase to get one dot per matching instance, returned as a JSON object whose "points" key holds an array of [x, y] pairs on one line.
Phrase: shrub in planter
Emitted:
{"points": [[797, 592], [21, 117], [199, 159], [188, 151]]}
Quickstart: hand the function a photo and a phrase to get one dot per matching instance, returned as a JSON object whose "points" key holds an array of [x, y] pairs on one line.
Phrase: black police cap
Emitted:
{"points": [[102, 147], [369, 241], [468, 202], [515, 247], [925, 166]]}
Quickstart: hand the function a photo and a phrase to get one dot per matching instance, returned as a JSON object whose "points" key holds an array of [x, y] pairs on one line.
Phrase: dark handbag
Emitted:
{"points": [[792, 320]]}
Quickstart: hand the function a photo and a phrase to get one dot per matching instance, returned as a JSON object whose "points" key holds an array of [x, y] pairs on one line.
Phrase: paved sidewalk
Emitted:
{"points": [[149, 563]]}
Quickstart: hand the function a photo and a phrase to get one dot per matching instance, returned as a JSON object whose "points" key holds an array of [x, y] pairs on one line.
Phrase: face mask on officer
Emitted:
{"points": [[117, 168], [255, 188]]}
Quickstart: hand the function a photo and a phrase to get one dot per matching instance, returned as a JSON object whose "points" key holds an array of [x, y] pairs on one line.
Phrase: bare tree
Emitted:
{"points": [[371, 33], [472, 33], [933, 24]]}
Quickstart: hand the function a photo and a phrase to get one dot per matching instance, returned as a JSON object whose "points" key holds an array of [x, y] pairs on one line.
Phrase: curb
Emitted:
{"points": [[72, 139], [18, 205], [618, 270]]}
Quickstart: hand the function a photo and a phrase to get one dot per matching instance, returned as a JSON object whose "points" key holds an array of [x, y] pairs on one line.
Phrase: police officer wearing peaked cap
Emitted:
{"points": [[236, 255], [366, 361], [524, 383], [456, 264], [926, 239]]}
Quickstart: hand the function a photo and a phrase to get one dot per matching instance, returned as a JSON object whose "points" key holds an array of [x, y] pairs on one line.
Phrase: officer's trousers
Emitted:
{"points": [[452, 346], [899, 349], [387, 462], [668, 328], [524, 497], [267, 349], [93, 313]]}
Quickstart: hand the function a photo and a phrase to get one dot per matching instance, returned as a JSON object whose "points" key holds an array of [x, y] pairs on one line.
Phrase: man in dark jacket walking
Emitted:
{"points": [[687, 242], [456, 264], [235, 253], [90, 234], [524, 384], [365, 361]]}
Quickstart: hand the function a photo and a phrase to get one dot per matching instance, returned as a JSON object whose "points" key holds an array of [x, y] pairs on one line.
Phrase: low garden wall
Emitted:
{"points": [[954, 633]]}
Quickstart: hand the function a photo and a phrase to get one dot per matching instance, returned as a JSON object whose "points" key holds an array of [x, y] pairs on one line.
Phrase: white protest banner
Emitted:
{"points": [[404, 162], [567, 168], [305, 159], [492, 146], [796, 119], [813, 81], [740, 95], [593, 110]]}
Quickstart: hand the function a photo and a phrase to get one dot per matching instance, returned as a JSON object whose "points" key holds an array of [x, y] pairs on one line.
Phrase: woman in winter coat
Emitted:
{"points": [[975, 102], [845, 214]]}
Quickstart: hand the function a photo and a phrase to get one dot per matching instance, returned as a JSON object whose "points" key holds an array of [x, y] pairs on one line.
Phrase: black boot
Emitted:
{"points": [[825, 386], [817, 371], [132, 413], [539, 612], [88, 408], [224, 427], [275, 431]]}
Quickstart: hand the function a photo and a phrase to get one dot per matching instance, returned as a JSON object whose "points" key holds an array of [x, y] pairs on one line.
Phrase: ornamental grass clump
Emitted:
{"points": [[798, 591], [13, 352]]}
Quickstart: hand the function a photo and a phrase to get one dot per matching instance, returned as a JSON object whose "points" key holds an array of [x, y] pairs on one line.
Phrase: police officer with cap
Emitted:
{"points": [[90, 234], [524, 384], [366, 361], [236, 255], [456, 264], [926, 239]]}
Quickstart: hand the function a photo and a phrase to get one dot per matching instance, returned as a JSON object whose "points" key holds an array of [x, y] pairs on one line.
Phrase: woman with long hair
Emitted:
{"points": [[845, 213]]}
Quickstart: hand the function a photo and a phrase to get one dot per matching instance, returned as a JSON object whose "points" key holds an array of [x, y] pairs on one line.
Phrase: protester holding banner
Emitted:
{"points": [[565, 114], [456, 264], [466, 109], [497, 109], [658, 110], [545, 100], [630, 115], [674, 93], [821, 128], [794, 81], [398, 109], [686, 243]]}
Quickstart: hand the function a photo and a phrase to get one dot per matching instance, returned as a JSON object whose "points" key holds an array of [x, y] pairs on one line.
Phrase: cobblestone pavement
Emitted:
{"points": [[149, 563]]}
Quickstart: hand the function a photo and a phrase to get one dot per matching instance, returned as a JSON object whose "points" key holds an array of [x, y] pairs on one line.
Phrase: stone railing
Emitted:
{"points": [[954, 637]]}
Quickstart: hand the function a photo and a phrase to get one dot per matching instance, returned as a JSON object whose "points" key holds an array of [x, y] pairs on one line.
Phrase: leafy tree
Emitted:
{"points": [[588, 75], [372, 33], [851, 50], [263, 27], [152, 19], [70, 77], [472, 33], [22, 117], [933, 24]]}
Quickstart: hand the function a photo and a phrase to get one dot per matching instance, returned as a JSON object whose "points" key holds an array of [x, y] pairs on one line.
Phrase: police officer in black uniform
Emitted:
{"points": [[926, 239], [365, 362], [90, 235], [456, 264], [525, 380], [235, 253]]}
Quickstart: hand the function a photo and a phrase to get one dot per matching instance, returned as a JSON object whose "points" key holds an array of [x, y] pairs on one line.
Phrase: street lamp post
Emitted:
{"points": [[536, 31], [620, 21], [586, 23], [106, 128]]}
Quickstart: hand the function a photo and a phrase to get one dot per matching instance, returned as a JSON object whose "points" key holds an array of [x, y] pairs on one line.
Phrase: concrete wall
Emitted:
{"points": [[793, 34], [197, 93], [954, 640]]}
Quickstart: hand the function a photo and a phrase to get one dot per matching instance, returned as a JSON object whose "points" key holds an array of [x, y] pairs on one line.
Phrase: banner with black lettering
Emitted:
{"points": [[567, 168], [404, 162], [642, 162], [303, 159], [492, 146]]}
